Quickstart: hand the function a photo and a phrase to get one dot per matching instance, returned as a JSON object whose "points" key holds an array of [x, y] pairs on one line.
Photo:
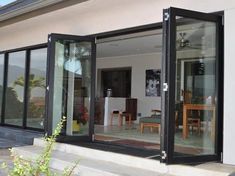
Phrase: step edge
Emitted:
{"points": [[162, 168], [122, 159], [54, 162]]}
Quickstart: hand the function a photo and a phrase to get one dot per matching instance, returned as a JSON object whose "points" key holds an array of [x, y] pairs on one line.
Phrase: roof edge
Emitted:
{"points": [[21, 7], [34, 9]]}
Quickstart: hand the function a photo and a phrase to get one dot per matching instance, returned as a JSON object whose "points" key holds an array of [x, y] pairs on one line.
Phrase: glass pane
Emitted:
{"points": [[195, 87], [36, 89], [1, 80], [15, 89], [72, 85]]}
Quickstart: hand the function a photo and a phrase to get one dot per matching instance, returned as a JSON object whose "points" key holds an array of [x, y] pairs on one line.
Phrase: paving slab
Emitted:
{"points": [[6, 143], [217, 167], [5, 157], [19, 135]]}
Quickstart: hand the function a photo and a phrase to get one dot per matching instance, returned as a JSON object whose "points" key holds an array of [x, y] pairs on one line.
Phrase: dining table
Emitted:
{"points": [[204, 107]]}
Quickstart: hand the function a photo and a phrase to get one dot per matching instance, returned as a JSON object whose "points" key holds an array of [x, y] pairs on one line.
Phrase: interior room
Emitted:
{"points": [[128, 89], [128, 92]]}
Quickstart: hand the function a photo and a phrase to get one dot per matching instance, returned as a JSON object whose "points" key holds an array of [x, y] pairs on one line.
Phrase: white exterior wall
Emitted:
{"points": [[229, 87], [97, 16]]}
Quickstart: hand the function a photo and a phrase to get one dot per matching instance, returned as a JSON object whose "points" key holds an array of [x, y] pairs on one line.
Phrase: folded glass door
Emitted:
{"points": [[192, 86], [70, 85]]}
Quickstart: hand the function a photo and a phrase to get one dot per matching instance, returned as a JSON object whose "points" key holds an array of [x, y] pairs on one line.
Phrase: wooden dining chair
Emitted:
{"points": [[192, 120]]}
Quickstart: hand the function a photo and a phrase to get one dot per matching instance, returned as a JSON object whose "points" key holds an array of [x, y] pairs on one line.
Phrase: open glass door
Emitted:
{"points": [[192, 86], [71, 85]]}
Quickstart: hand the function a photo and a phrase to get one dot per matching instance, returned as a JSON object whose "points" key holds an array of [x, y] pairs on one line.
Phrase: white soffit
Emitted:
{"points": [[22, 9], [131, 44]]}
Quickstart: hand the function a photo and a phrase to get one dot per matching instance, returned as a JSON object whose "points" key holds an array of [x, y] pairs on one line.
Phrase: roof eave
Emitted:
{"points": [[25, 9]]}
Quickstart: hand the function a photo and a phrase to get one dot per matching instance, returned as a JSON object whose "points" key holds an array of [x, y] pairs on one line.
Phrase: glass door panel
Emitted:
{"points": [[71, 70], [192, 53], [14, 103], [195, 87], [1, 81], [36, 88]]}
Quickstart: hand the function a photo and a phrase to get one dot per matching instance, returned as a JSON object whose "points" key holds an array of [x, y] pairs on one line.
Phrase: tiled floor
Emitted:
{"points": [[194, 144]]}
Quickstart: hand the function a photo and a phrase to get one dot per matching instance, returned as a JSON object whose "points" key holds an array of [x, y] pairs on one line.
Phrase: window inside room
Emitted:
{"points": [[117, 81]]}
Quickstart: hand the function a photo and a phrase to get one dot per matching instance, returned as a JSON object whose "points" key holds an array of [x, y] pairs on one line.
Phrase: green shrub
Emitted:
{"points": [[40, 165]]}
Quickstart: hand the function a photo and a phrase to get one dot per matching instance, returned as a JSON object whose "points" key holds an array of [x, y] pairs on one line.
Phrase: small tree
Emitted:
{"points": [[39, 166], [34, 82]]}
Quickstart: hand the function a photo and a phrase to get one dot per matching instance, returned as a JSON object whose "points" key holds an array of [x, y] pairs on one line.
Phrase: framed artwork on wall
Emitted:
{"points": [[153, 83]]}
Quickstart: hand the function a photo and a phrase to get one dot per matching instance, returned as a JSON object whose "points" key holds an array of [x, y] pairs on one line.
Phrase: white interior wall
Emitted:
{"points": [[139, 64]]}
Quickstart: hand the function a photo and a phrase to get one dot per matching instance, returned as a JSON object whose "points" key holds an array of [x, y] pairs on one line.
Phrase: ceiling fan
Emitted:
{"points": [[183, 43]]}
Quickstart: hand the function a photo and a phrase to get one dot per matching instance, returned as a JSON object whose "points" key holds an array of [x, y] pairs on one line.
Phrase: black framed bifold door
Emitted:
{"points": [[71, 86], [192, 86]]}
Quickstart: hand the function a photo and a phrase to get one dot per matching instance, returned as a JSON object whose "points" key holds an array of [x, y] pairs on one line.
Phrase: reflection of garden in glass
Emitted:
{"points": [[15, 94], [14, 104], [35, 109], [36, 88]]}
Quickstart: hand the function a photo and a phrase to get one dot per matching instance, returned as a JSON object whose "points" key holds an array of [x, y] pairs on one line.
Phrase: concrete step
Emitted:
{"points": [[121, 159], [87, 166], [131, 162]]}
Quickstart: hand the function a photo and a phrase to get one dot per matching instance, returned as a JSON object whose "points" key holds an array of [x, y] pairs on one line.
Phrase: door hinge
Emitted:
{"points": [[47, 88], [221, 156], [95, 40], [163, 155], [165, 87], [93, 137], [166, 16], [49, 39]]}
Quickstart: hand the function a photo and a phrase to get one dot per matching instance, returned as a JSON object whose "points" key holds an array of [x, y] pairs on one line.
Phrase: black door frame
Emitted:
{"points": [[50, 85], [168, 77]]}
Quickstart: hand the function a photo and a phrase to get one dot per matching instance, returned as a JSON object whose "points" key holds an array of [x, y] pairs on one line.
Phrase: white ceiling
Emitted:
{"points": [[130, 45], [151, 41]]}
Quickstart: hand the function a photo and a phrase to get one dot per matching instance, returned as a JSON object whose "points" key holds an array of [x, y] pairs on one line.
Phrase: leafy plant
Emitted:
{"points": [[39, 166]]}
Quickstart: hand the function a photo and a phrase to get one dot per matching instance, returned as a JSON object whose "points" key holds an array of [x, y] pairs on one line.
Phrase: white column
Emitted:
{"points": [[229, 88]]}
